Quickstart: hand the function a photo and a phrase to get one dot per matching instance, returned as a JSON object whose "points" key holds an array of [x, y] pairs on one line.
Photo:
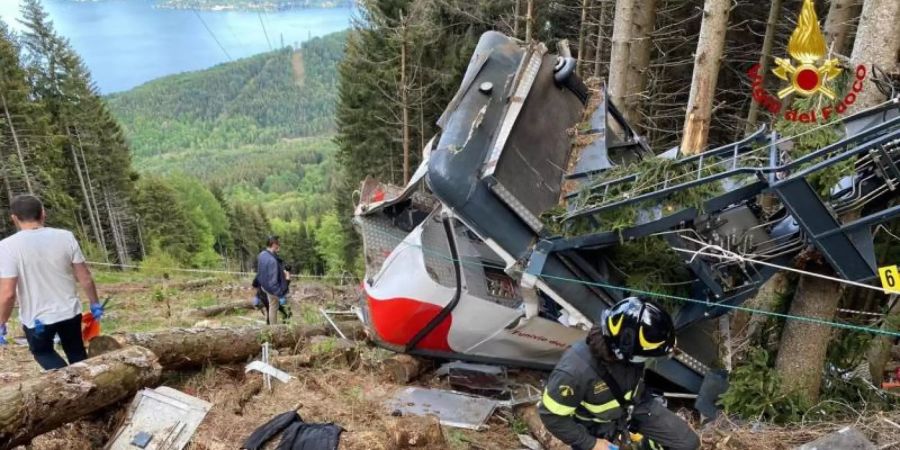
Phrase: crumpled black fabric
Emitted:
{"points": [[270, 429], [295, 434]]}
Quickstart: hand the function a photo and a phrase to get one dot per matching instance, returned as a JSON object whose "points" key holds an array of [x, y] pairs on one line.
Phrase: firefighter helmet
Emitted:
{"points": [[636, 329]]}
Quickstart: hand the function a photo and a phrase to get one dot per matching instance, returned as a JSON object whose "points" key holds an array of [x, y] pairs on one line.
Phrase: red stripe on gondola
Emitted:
{"points": [[397, 320]]}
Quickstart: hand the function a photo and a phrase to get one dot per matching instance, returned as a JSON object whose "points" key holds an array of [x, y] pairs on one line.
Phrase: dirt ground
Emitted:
{"points": [[339, 385]]}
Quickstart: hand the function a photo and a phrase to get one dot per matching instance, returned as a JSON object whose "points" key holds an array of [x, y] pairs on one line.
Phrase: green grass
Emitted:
{"points": [[456, 439], [204, 300], [324, 346], [518, 426], [104, 276], [310, 315]]}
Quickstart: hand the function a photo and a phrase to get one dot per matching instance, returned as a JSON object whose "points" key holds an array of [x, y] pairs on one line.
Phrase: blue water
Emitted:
{"points": [[128, 42]]}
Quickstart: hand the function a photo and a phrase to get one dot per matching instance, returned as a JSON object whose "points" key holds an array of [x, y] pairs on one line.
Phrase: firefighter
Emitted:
{"points": [[582, 404]]}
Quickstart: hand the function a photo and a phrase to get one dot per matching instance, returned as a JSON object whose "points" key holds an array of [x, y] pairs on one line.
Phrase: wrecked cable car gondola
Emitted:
{"points": [[466, 269]]}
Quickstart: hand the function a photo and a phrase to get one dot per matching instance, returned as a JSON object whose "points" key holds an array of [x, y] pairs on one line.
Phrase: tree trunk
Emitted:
{"points": [[839, 23], [211, 311], [529, 20], [93, 198], [15, 136], [764, 59], [87, 199], [598, 50], [5, 174], [404, 102], [619, 54], [118, 241], [877, 43], [706, 74], [529, 415], [140, 234], [744, 325], [639, 59], [192, 347], [804, 345], [880, 347], [582, 31], [515, 29], [42, 403]]}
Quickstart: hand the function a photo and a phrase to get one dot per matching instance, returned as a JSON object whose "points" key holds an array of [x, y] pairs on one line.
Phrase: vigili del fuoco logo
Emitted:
{"points": [[805, 74]]}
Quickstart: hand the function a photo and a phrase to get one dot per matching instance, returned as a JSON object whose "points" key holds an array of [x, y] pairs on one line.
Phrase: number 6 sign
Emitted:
{"points": [[890, 278]]}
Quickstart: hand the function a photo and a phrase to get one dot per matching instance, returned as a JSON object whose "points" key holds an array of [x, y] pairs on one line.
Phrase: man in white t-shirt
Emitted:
{"points": [[39, 266]]}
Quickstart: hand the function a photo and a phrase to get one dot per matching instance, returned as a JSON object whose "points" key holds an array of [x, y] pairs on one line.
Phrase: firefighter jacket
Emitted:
{"points": [[577, 399]]}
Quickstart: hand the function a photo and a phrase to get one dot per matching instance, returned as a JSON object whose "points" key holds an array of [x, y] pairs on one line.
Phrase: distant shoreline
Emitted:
{"points": [[251, 5]]}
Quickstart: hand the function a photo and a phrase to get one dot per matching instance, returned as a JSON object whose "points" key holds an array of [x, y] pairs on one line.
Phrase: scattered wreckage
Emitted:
{"points": [[460, 266]]}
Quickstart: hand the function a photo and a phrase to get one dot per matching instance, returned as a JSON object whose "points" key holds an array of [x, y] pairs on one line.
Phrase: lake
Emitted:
{"points": [[129, 42]]}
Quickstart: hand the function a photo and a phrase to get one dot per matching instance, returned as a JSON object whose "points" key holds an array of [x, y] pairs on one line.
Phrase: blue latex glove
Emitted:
{"points": [[38, 326], [282, 301], [3, 334], [255, 301], [97, 310], [613, 447]]}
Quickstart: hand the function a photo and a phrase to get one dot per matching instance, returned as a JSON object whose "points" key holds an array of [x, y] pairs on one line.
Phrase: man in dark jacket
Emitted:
{"points": [[581, 406], [273, 281]]}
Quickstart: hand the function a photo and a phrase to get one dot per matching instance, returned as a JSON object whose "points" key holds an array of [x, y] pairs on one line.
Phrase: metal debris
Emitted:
{"points": [[266, 369], [168, 416], [453, 409], [844, 439]]}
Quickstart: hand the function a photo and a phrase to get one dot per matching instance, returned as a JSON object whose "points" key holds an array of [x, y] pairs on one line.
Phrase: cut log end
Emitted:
{"points": [[40, 404], [415, 432], [402, 369]]}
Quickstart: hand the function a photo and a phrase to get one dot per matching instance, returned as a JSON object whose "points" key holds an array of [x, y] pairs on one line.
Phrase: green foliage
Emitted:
{"points": [[330, 244], [518, 426], [846, 353], [165, 223], [809, 139], [754, 392], [299, 246], [650, 174], [158, 262], [65, 145], [310, 315], [650, 264]]}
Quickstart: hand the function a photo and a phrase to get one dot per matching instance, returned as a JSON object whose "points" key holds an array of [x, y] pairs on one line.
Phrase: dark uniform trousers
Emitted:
{"points": [[578, 407]]}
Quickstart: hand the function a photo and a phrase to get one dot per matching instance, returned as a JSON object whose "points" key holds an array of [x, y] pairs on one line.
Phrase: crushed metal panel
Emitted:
{"points": [[844, 439], [170, 416], [453, 409]]}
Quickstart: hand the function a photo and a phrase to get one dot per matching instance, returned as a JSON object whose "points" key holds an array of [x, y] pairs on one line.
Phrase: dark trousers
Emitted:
{"points": [[41, 344], [662, 429]]}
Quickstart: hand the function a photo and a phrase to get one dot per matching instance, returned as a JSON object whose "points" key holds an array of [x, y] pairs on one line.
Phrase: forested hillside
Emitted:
{"points": [[222, 158], [257, 100], [257, 129]]}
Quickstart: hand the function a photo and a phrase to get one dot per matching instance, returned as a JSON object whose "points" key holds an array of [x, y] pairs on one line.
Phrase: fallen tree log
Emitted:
{"points": [[40, 404], [196, 284], [252, 385], [401, 368], [211, 311], [529, 415], [180, 348]]}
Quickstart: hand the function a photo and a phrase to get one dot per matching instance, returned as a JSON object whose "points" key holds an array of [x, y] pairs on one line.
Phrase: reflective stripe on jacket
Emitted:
{"points": [[576, 395]]}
